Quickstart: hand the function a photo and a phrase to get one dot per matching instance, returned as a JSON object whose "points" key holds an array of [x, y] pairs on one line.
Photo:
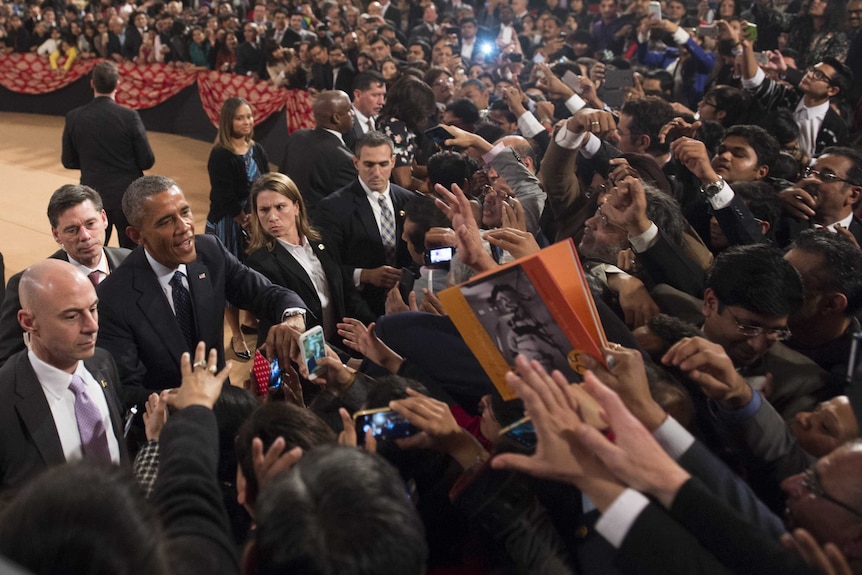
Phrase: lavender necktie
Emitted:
{"points": [[91, 427]]}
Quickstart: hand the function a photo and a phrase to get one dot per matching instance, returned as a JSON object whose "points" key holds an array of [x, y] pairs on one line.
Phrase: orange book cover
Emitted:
{"points": [[539, 306]]}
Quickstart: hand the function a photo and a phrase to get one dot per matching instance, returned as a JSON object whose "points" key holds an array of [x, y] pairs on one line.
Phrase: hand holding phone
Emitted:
{"points": [[384, 423], [439, 135], [312, 348]]}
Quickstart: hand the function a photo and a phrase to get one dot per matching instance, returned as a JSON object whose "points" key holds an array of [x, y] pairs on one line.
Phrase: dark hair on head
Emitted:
{"points": [[854, 174], [756, 278], [411, 101], [426, 48], [390, 388], [105, 77], [83, 518], [69, 196], [840, 268], [434, 73], [785, 167], [224, 137], [373, 139], [364, 81], [297, 426], [447, 168], [233, 407], [842, 78], [761, 200], [469, 20], [464, 109], [732, 101], [763, 143], [474, 83], [138, 191], [649, 115], [490, 132], [502, 106], [423, 212], [664, 210], [711, 134], [665, 79], [339, 510], [782, 125], [375, 38]]}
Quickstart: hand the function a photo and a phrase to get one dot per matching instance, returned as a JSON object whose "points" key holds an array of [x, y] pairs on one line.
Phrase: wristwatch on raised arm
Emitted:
{"points": [[711, 189]]}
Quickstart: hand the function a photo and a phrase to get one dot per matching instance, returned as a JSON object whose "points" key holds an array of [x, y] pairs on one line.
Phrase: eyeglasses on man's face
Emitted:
{"points": [[825, 177], [748, 330], [818, 74], [811, 483]]}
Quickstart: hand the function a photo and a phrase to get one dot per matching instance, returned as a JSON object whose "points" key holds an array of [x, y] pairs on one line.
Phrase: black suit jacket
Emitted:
{"points": [[789, 227], [344, 80], [251, 59], [108, 143], [318, 163], [347, 222], [132, 43], [11, 334], [29, 442], [281, 268], [354, 134], [139, 328]]}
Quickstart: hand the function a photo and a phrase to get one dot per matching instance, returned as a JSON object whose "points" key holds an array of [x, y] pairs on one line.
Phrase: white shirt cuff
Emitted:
{"points": [[642, 38], [755, 81], [357, 277], [673, 437], [646, 240], [618, 519], [489, 156], [681, 36], [723, 198], [575, 103], [569, 140], [591, 147], [529, 125]]}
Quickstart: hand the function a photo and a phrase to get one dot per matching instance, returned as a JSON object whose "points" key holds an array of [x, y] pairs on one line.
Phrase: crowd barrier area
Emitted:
{"points": [[169, 99]]}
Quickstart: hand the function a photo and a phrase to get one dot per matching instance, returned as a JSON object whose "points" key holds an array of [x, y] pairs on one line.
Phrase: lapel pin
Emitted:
{"points": [[400, 213], [320, 247], [104, 384], [202, 276]]}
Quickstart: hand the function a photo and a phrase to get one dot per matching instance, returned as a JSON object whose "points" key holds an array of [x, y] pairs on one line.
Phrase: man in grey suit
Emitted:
{"points": [[78, 224], [57, 399], [108, 143]]}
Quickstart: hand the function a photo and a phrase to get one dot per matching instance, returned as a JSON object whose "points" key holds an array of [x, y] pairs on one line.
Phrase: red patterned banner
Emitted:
{"points": [[32, 74], [216, 87], [147, 86], [298, 110]]}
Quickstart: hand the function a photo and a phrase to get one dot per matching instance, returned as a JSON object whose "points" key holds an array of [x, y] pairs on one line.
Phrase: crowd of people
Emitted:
{"points": [[703, 157]]}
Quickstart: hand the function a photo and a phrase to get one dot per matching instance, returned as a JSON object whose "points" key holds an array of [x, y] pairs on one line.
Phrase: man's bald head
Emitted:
{"points": [[58, 311], [332, 110], [524, 148]]}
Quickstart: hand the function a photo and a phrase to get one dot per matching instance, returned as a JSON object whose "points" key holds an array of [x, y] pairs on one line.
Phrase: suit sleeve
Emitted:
{"points": [[668, 264], [144, 157], [738, 224], [69, 155], [739, 545], [224, 195], [248, 289], [568, 204], [11, 334], [524, 184], [327, 221], [188, 497], [116, 338], [729, 487]]}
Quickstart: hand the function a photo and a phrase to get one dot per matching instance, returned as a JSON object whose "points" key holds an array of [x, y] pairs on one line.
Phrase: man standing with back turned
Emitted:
{"points": [[108, 143]]}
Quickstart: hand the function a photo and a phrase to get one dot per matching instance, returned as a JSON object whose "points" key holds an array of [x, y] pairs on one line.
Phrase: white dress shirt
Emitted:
{"points": [[101, 267], [305, 257], [378, 216]]}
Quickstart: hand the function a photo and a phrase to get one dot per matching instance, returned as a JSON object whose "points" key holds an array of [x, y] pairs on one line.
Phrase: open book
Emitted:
{"points": [[539, 306]]}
